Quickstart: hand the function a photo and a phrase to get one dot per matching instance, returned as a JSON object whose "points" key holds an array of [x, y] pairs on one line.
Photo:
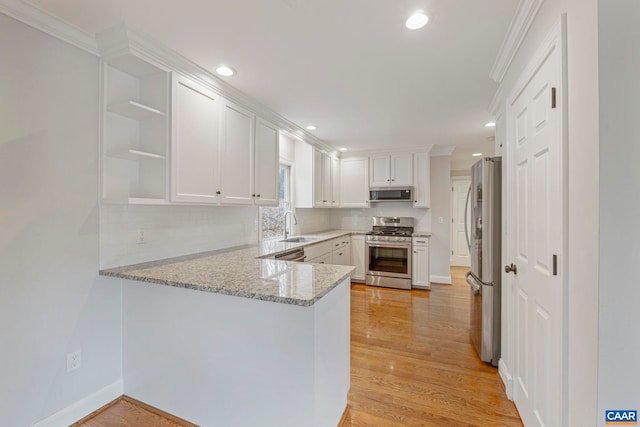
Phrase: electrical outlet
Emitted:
{"points": [[74, 360], [140, 237], [440, 220]]}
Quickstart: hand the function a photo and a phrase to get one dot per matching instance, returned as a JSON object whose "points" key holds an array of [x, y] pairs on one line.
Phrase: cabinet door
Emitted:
{"points": [[421, 180], [267, 161], [327, 196], [347, 250], [195, 143], [379, 169], [338, 256], [401, 170], [324, 259], [420, 267], [236, 159], [354, 183], [357, 257], [335, 182], [318, 169]]}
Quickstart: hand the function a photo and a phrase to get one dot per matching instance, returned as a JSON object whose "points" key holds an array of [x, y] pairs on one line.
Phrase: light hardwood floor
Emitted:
{"points": [[412, 364]]}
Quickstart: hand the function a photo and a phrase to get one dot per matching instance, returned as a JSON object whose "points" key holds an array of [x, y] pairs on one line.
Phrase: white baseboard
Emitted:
{"points": [[83, 407], [506, 378], [440, 279]]}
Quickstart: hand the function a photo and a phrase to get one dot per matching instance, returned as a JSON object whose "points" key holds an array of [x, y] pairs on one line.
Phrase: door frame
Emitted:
{"points": [[451, 234], [555, 40]]}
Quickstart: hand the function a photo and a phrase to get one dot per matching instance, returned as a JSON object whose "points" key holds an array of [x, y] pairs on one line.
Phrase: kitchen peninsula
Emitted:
{"points": [[232, 337]]}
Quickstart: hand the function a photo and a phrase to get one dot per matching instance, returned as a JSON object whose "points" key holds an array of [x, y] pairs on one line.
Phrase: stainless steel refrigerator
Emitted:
{"points": [[484, 237]]}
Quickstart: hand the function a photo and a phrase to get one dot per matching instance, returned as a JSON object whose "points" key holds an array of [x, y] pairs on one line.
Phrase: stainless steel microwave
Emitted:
{"points": [[404, 194]]}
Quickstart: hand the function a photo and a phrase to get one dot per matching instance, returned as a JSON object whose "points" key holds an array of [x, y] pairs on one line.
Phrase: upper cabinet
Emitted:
{"points": [[421, 180], [135, 130], [195, 143], [314, 174], [335, 182], [267, 162], [220, 152], [236, 155], [394, 170], [354, 182]]}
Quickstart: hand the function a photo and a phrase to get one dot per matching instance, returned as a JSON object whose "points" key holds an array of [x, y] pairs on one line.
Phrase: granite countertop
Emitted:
{"points": [[242, 272]]}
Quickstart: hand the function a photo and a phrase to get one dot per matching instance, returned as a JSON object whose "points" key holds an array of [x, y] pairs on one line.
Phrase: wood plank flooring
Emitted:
{"points": [[412, 364]]}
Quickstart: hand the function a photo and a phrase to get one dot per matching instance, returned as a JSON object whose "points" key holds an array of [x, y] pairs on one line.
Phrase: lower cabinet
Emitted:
{"points": [[322, 259], [357, 257], [420, 264]]}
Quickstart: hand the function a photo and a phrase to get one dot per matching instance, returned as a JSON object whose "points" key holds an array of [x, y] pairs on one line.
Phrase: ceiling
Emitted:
{"points": [[348, 66]]}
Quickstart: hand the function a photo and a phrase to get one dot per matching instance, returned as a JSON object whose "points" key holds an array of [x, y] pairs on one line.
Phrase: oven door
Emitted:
{"points": [[389, 259]]}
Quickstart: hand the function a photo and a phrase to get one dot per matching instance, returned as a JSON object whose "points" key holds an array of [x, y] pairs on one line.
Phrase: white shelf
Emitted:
{"points": [[135, 110], [136, 155]]}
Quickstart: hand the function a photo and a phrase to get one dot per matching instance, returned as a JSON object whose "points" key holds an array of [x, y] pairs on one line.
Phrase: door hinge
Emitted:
{"points": [[553, 97], [555, 265]]}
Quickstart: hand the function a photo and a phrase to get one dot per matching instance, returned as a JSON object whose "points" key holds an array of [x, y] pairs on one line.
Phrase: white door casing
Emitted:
{"points": [[459, 248], [535, 234]]}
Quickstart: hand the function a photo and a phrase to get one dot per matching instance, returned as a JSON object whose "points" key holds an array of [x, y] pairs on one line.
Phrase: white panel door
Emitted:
{"points": [[195, 143], [236, 160], [354, 182], [380, 173], [401, 170], [459, 247], [267, 164], [535, 237]]}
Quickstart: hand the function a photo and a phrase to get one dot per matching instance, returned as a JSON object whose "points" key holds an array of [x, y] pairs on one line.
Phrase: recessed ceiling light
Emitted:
{"points": [[342, 149], [490, 125], [476, 154], [312, 127], [417, 20], [225, 71]]}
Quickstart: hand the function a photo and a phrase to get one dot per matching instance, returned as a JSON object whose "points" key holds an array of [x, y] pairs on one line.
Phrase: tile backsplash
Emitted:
{"points": [[171, 231]]}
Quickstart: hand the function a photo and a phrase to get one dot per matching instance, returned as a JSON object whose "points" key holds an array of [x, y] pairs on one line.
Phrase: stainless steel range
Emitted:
{"points": [[388, 252]]}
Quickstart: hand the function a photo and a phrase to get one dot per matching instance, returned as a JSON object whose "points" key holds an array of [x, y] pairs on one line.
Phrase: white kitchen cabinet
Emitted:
{"points": [[341, 251], [313, 177], [236, 154], [135, 131], [395, 170], [354, 182], [421, 180], [322, 259], [358, 257], [420, 264], [267, 163], [195, 143], [335, 182]]}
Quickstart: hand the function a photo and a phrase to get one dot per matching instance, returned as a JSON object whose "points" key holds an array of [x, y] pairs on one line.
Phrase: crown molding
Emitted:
{"points": [[425, 148], [442, 150], [49, 24], [520, 24]]}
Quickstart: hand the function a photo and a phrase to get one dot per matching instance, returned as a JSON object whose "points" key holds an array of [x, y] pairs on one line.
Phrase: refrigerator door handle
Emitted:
{"points": [[474, 286], [466, 225], [477, 279]]}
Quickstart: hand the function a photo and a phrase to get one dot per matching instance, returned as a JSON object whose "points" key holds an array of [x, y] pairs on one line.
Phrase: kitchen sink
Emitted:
{"points": [[300, 239]]}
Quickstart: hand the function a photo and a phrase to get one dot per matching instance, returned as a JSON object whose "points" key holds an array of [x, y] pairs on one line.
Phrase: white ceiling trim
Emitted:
{"points": [[50, 24], [497, 102], [522, 21], [427, 148]]}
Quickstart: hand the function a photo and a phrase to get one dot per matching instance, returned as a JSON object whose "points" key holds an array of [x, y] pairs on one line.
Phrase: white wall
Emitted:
{"points": [[360, 219], [581, 293], [52, 300], [619, 68], [440, 242]]}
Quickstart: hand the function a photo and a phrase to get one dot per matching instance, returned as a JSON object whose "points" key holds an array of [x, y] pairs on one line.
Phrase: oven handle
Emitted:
{"points": [[389, 244]]}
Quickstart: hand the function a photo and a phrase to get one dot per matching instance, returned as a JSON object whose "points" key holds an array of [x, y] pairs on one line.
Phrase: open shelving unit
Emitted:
{"points": [[135, 130]]}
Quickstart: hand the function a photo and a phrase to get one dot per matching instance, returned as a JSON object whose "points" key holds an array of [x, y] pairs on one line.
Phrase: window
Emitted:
{"points": [[272, 219]]}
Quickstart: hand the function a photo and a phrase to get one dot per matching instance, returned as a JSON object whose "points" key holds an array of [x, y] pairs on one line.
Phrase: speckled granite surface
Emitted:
{"points": [[240, 272]]}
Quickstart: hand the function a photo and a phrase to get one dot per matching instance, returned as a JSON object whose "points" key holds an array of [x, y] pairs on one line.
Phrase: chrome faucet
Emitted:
{"points": [[285, 222]]}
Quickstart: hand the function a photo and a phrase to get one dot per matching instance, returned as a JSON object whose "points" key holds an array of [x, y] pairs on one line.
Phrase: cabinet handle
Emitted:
{"points": [[393, 179], [340, 254], [258, 195], [253, 195], [218, 192], [388, 180], [415, 252]]}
